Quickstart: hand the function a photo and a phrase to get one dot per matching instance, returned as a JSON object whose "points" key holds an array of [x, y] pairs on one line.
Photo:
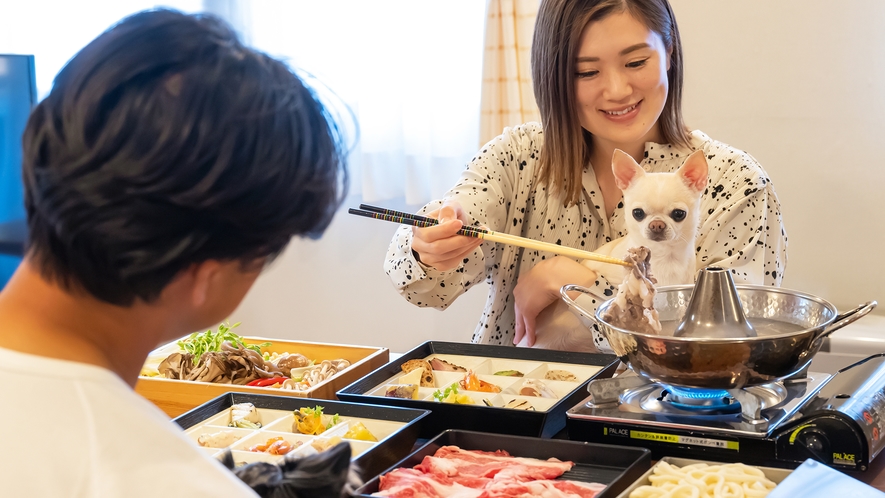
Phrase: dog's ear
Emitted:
{"points": [[694, 171], [625, 169]]}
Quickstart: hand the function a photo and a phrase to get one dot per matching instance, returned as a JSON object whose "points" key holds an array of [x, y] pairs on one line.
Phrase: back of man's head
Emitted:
{"points": [[164, 143]]}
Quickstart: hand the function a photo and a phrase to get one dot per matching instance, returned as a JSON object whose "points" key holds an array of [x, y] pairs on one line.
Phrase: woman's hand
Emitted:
{"points": [[440, 247], [539, 287]]}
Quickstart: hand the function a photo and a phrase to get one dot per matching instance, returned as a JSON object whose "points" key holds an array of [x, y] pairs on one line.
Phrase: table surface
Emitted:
{"points": [[875, 475]]}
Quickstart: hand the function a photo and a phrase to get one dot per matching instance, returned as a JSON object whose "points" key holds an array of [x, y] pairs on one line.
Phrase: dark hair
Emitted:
{"points": [[567, 146], [165, 142]]}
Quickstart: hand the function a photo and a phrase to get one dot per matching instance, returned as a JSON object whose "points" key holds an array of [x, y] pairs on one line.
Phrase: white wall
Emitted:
{"points": [[800, 84]]}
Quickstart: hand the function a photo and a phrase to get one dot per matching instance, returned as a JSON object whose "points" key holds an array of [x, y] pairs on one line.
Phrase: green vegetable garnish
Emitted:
{"points": [[440, 395], [335, 419], [318, 413], [245, 424], [203, 342]]}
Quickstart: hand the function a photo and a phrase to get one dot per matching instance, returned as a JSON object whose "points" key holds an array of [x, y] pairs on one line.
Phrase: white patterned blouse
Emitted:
{"points": [[741, 224]]}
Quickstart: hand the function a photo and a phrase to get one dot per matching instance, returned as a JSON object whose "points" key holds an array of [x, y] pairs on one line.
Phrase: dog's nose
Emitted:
{"points": [[657, 226]]}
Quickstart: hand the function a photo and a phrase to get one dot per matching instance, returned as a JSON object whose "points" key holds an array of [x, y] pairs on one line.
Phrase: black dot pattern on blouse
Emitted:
{"points": [[741, 225]]}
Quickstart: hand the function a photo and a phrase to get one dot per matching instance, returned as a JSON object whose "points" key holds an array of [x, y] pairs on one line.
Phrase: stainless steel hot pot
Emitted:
{"points": [[790, 325]]}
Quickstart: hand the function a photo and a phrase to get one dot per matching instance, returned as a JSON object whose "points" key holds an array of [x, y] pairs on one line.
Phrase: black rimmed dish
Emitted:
{"points": [[547, 417], [616, 467], [396, 429], [773, 474]]}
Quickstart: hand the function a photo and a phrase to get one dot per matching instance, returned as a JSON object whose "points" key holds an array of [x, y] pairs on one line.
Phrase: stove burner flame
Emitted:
{"points": [[696, 393], [699, 400]]}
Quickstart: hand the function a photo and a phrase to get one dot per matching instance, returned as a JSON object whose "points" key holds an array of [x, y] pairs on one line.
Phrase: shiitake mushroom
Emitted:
{"points": [[292, 360]]}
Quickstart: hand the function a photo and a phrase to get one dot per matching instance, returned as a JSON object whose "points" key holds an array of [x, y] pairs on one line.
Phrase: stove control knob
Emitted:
{"points": [[816, 444]]}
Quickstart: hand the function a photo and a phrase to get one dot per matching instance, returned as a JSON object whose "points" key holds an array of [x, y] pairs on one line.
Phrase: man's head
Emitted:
{"points": [[166, 144]]}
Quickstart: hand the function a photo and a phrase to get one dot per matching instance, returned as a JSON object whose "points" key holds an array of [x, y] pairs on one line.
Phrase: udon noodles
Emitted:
{"points": [[733, 480]]}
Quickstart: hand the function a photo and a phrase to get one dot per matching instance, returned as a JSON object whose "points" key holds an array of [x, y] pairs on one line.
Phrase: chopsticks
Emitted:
{"points": [[380, 213]]}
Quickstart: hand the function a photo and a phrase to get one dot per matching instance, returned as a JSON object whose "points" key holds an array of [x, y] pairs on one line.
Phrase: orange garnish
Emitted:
{"points": [[471, 382], [275, 446]]}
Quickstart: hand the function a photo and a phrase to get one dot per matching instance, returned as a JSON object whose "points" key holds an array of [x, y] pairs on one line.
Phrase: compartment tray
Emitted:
{"points": [[381, 455], [481, 418]]}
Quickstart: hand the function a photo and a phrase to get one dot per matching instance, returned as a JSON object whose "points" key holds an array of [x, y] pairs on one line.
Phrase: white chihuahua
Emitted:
{"points": [[662, 212]]}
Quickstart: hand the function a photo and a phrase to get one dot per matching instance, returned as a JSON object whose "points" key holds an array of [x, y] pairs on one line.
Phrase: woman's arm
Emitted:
{"points": [[484, 192]]}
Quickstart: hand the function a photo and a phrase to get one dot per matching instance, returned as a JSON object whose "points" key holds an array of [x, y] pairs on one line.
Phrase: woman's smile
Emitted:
{"points": [[624, 113]]}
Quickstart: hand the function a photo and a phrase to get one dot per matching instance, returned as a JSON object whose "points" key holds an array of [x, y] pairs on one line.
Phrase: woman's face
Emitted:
{"points": [[621, 81]]}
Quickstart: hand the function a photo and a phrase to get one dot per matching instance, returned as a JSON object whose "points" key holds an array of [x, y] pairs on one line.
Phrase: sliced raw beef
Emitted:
{"points": [[453, 461]]}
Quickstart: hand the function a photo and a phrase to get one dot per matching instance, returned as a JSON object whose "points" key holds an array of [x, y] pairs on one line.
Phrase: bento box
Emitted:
{"points": [[610, 466], [178, 396], [395, 429], [533, 396], [773, 474]]}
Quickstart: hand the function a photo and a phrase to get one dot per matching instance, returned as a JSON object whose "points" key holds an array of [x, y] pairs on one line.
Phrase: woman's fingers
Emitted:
{"points": [[525, 329], [519, 329], [448, 260], [441, 246], [526, 308]]}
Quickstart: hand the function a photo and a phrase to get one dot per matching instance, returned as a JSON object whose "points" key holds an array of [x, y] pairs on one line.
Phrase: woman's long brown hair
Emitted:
{"points": [[568, 146]]}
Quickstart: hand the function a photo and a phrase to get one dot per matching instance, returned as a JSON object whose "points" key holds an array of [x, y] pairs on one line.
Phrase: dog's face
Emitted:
{"points": [[661, 207]]}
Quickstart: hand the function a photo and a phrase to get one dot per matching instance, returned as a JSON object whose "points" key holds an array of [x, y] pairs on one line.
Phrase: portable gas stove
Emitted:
{"points": [[837, 419]]}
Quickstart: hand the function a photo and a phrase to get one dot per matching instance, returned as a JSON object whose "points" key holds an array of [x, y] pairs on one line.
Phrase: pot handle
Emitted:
{"points": [[565, 289], [846, 318]]}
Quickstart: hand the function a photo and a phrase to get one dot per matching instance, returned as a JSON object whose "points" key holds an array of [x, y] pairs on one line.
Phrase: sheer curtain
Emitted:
{"points": [[508, 98], [409, 71], [54, 31]]}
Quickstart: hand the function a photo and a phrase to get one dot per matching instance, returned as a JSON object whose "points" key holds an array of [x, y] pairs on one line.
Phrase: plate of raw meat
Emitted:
{"points": [[469, 464]]}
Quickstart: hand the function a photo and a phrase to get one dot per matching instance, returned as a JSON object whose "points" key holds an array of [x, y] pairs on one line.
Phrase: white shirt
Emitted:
{"points": [[741, 225], [76, 430]]}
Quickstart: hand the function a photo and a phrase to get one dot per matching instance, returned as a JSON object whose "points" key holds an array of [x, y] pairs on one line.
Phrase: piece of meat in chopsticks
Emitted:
{"points": [[633, 308]]}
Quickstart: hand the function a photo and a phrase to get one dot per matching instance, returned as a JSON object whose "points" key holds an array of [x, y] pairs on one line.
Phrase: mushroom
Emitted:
{"points": [[176, 366], [294, 360]]}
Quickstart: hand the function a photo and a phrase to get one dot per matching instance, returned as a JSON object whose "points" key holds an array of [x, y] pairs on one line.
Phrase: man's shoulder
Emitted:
{"points": [[163, 457]]}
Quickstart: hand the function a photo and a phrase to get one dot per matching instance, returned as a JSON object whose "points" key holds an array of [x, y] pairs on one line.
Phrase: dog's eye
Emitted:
{"points": [[678, 215], [638, 214]]}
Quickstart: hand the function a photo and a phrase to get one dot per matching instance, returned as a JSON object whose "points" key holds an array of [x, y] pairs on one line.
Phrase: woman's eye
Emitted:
{"points": [[587, 74], [637, 63], [638, 214], [677, 215]]}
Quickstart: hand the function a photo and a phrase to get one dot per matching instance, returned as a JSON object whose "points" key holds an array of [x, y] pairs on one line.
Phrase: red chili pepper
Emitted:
{"points": [[267, 382]]}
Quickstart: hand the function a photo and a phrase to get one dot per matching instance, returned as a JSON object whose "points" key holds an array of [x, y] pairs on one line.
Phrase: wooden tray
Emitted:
{"points": [[178, 396]]}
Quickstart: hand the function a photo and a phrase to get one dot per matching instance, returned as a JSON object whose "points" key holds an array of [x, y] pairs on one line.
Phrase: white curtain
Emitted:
{"points": [[53, 31], [508, 98], [409, 70]]}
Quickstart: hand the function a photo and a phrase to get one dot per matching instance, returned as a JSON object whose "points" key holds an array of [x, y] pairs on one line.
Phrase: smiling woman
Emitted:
{"points": [[607, 75]]}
